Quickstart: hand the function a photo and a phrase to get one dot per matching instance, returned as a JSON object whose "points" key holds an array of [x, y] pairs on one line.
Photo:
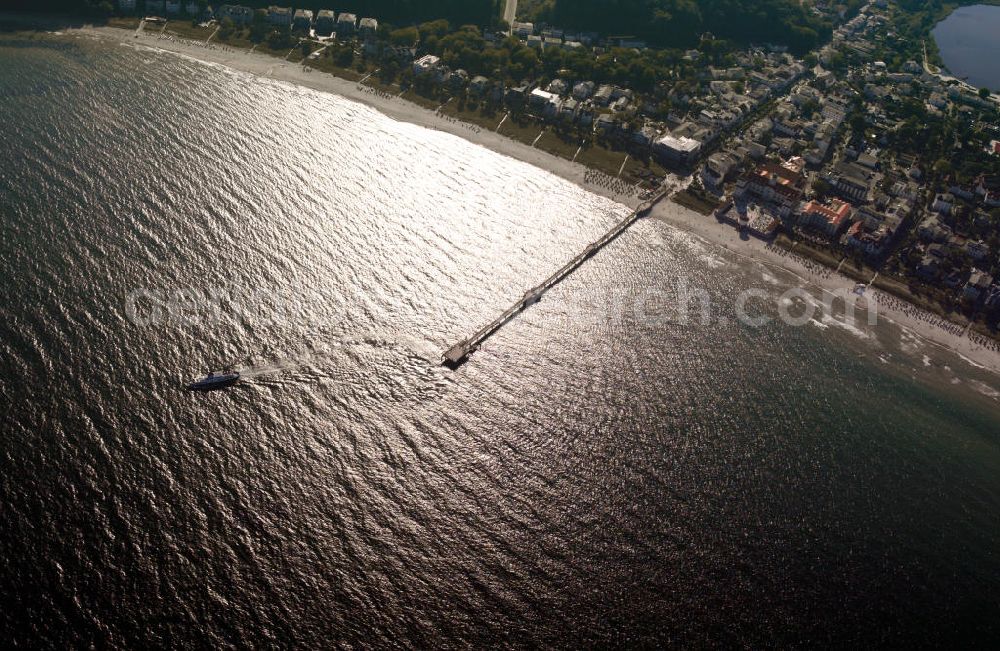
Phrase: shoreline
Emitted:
{"points": [[270, 67], [909, 317], [943, 72]]}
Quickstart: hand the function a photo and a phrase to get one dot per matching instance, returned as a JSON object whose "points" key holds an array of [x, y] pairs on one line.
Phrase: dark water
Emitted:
{"points": [[596, 475], [969, 42]]}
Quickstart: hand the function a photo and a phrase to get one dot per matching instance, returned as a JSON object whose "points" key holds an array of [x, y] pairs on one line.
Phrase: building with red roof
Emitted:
{"points": [[776, 184], [830, 218]]}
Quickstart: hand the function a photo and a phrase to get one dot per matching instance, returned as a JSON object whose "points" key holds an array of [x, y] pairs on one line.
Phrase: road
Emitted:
{"points": [[510, 11]]}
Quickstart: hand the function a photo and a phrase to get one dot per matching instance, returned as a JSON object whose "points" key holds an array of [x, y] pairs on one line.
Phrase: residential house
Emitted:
{"points": [[478, 85], [346, 24], [830, 218], [852, 180], [943, 203], [522, 30], [425, 64], [867, 161], [569, 109], [582, 90], [992, 299], [302, 20], [774, 183], [715, 170], [676, 150], [988, 187], [932, 230], [325, 22], [541, 99], [558, 86], [605, 123], [645, 135], [930, 263], [517, 95], [872, 232], [978, 283], [279, 16], [965, 192], [237, 13], [603, 95], [367, 28], [977, 250]]}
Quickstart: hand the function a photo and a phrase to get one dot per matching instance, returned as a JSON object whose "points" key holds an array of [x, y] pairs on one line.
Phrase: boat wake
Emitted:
{"points": [[318, 354]]}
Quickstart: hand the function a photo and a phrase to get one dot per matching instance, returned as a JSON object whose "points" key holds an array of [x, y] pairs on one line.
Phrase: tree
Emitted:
{"points": [[984, 92], [404, 37], [345, 56], [821, 187], [226, 28], [279, 39], [259, 27], [942, 167]]}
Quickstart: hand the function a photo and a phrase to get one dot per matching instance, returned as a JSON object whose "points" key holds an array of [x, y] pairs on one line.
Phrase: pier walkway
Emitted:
{"points": [[459, 353]]}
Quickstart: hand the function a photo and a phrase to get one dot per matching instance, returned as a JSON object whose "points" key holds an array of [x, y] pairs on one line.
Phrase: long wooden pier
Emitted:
{"points": [[459, 353]]}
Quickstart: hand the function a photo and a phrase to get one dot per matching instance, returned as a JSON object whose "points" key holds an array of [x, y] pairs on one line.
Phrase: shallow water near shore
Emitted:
{"points": [[598, 473]]}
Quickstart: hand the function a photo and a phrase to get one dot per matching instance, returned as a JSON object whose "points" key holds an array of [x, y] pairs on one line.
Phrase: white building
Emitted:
{"points": [[426, 64], [522, 30], [346, 24], [368, 27], [239, 14], [674, 149]]}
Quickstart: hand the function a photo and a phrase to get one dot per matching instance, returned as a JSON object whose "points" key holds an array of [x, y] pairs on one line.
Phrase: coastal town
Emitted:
{"points": [[500, 323], [853, 155]]}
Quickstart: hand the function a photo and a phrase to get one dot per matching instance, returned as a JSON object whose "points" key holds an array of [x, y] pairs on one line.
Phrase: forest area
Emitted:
{"points": [[680, 23]]}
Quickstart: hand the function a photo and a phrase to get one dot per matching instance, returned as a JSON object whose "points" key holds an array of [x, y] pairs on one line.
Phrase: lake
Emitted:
{"points": [[969, 44]]}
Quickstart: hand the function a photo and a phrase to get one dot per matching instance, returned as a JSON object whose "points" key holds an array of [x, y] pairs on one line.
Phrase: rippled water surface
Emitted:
{"points": [[596, 474]]}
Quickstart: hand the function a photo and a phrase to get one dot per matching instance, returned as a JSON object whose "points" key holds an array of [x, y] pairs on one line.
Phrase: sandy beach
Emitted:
{"points": [[928, 327]]}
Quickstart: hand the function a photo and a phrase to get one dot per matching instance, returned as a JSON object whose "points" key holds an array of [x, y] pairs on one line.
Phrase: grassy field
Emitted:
{"points": [[418, 99], [555, 144], [488, 119], [637, 170], [376, 83], [264, 48], [124, 22], [601, 158], [900, 289], [862, 273], [325, 64], [297, 56], [695, 202], [185, 29], [239, 38], [525, 133], [823, 257]]}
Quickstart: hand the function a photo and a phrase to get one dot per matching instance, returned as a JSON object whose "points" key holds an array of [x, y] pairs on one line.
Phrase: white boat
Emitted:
{"points": [[215, 380]]}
